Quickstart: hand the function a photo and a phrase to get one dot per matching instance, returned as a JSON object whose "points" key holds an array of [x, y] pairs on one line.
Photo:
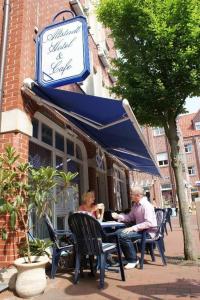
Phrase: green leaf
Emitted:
{"points": [[4, 234], [13, 217]]}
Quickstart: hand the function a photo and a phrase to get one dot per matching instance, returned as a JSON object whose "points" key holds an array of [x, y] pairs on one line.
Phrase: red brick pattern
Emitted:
{"points": [[25, 17]]}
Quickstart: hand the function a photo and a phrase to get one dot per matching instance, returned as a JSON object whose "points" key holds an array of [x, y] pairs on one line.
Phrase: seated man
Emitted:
{"points": [[143, 214]]}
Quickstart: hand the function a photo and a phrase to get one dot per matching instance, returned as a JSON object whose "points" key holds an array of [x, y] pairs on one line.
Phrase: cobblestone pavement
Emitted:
{"points": [[178, 280]]}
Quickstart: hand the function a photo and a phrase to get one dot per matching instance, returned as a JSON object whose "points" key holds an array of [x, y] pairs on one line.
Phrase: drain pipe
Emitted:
{"points": [[4, 42]]}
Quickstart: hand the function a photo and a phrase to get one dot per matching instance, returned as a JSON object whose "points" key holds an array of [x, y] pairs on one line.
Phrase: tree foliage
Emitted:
{"points": [[159, 62], [157, 69]]}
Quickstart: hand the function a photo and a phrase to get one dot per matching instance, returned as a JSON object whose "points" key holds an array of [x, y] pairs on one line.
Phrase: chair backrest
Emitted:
{"points": [[52, 233], [87, 233], [161, 217], [168, 213]]}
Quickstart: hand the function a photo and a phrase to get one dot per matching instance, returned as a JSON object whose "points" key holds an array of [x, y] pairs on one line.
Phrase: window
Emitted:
{"points": [[51, 146], [197, 125], [35, 128], [120, 188], [47, 134], [59, 141], [60, 223], [191, 170], [162, 159], [158, 131], [70, 147], [166, 186], [188, 148]]}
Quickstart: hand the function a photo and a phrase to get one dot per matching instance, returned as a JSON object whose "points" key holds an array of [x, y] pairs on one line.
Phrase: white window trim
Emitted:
{"points": [[161, 157], [185, 146], [193, 170], [158, 131], [123, 181], [197, 125], [68, 135]]}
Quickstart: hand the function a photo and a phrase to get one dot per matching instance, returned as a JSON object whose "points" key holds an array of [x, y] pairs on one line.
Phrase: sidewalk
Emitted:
{"points": [[178, 280]]}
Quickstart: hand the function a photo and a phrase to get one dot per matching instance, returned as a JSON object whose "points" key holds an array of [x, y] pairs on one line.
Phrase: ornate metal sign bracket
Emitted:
{"points": [[63, 12]]}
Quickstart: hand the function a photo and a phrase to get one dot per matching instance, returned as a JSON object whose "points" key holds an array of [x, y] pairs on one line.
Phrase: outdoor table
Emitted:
{"points": [[112, 225]]}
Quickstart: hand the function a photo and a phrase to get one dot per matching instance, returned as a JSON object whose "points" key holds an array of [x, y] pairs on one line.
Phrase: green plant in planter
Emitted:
{"points": [[37, 248], [23, 188]]}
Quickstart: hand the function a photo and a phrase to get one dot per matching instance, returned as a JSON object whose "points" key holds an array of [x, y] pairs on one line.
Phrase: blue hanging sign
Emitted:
{"points": [[62, 53]]}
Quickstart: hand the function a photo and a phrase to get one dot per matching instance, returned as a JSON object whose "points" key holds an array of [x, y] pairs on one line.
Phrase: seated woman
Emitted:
{"points": [[89, 206]]}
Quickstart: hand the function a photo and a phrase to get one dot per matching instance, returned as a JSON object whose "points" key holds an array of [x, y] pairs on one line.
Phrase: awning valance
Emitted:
{"points": [[109, 122]]}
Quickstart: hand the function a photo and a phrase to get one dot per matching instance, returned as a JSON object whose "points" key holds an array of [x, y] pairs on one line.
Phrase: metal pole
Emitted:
{"points": [[4, 42]]}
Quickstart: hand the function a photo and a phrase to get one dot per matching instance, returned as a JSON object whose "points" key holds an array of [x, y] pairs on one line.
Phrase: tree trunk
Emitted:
{"points": [[177, 166]]}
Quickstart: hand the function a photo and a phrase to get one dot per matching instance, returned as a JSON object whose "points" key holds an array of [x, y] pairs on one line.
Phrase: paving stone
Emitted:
{"points": [[176, 281]]}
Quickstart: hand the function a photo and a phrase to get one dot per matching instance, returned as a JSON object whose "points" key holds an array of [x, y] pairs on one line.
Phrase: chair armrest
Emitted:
{"points": [[63, 232]]}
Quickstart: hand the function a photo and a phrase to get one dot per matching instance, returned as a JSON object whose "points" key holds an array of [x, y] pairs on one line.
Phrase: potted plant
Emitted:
{"points": [[22, 189]]}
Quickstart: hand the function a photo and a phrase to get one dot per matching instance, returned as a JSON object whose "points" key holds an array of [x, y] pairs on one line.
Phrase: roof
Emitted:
{"points": [[186, 123]]}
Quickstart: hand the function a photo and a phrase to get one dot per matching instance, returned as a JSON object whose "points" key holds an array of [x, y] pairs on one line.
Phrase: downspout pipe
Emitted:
{"points": [[4, 42]]}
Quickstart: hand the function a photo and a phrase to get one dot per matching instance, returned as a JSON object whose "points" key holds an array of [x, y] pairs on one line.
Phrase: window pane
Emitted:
{"points": [[61, 223], [73, 167], [197, 125], [59, 163], [78, 152], [47, 135], [59, 142], [188, 148], [39, 156], [35, 128], [70, 147]]}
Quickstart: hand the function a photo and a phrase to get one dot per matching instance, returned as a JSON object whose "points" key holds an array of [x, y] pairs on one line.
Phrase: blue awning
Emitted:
{"points": [[109, 122]]}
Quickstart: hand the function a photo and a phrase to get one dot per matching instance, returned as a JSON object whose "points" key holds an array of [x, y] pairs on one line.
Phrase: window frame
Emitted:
{"points": [[68, 135], [163, 162], [197, 125], [158, 131], [186, 148], [192, 168]]}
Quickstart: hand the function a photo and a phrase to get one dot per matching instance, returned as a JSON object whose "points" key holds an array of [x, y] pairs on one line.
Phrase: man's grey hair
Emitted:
{"points": [[137, 189]]}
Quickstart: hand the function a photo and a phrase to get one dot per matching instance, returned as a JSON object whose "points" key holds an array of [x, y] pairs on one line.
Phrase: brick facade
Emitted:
{"points": [[26, 17]]}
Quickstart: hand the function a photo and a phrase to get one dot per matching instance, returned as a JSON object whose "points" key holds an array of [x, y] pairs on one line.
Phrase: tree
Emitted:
{"points": [[158, 67]]}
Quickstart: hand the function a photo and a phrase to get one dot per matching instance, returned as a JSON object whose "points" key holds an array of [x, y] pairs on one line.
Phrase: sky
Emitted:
{"points": [[193, 104]]}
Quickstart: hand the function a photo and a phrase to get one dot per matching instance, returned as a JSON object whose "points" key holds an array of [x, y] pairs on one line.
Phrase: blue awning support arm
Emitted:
{"points": [[133, 119], [128, 152]]}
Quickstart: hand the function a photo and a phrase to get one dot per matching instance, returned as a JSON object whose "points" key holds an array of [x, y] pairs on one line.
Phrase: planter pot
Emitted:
{"points": [[31, 277]]}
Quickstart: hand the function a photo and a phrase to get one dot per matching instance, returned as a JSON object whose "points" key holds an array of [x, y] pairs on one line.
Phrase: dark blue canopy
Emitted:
{"points": [[109, 122]]}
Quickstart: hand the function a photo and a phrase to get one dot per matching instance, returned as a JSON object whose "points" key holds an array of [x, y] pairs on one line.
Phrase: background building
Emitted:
{"points": [[164, 189]]}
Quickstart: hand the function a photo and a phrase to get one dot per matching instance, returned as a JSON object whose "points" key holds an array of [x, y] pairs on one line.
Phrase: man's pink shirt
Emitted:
{"points": [[144, 215]]}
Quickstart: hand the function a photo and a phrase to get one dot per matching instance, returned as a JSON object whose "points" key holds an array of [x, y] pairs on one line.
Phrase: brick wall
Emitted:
{"points": [[25, 17]]}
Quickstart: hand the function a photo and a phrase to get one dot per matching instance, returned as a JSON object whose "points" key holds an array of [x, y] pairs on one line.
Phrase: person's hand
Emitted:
{"points": [[115, 215], [128, 229], [100, 206]]}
